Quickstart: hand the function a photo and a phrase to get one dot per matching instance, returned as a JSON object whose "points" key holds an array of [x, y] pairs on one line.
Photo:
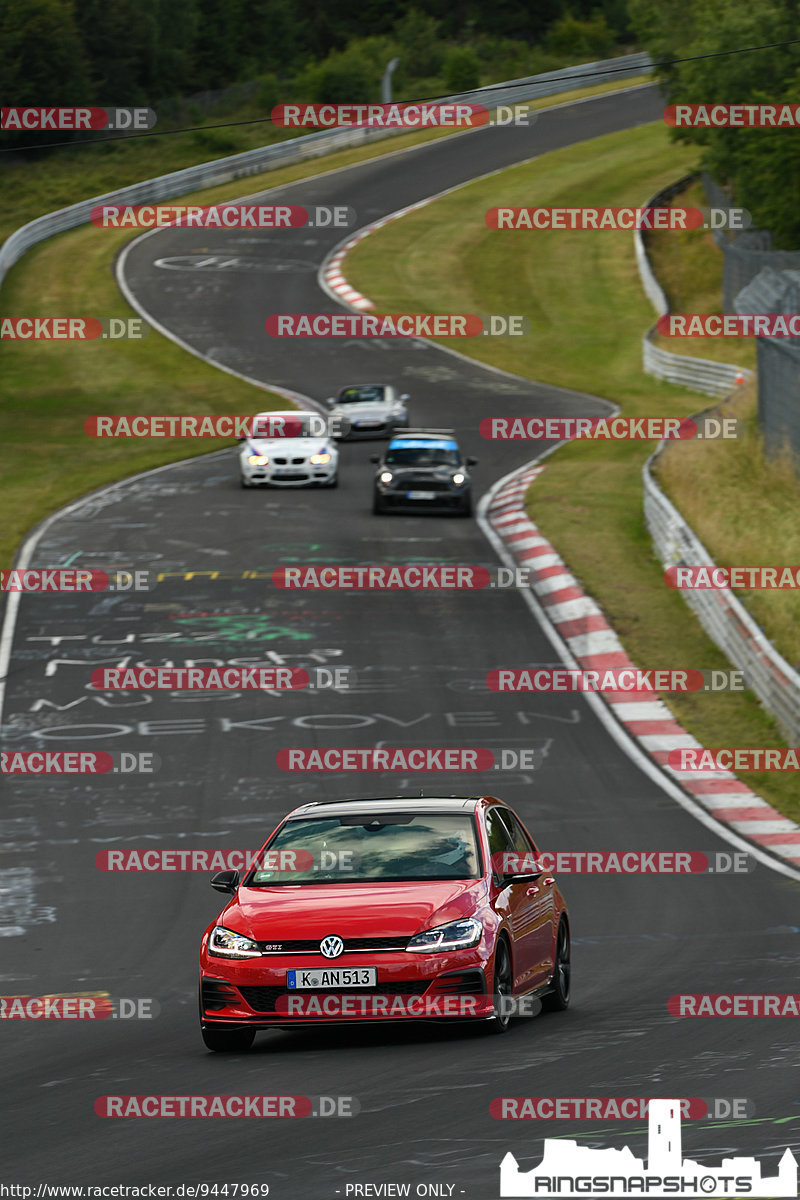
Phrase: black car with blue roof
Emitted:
{"points": [[423, 470]]}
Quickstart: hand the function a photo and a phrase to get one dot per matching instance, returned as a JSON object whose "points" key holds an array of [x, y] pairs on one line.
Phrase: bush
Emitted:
{"points": [[589, 38], [421, 53], [462, 71]]}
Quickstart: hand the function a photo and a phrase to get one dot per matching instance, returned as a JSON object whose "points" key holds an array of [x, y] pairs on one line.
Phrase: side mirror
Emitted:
{"points": [[472, 462], [405, 396], [374, 458], [521, 877], [225, 881], [330, 401]]}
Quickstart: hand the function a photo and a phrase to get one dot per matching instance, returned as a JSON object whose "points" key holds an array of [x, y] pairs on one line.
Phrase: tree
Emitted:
{"points": [[42, 59], [762, 164], [462, 71]]}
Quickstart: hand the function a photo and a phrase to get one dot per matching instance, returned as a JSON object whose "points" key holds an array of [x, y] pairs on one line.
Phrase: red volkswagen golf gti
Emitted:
{"points": [[385, 909]]}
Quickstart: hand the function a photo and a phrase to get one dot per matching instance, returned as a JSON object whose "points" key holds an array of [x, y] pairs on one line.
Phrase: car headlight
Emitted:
{"points": [[258, 460], [455, 936], [386, 477], [459, 478], [232, 945], [318, 459]]}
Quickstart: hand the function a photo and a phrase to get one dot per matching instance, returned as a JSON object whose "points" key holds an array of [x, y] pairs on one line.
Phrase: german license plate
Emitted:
{"points": [[421, 495], [332, 977]]}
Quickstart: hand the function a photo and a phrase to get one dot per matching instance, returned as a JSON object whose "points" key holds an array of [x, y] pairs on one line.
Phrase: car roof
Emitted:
{"points": [[389, 804], [286, 412], [436, 434], [347, 386]]}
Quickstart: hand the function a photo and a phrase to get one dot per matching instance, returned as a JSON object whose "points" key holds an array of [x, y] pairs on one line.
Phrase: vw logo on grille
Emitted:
{"points": [[332, 947]]}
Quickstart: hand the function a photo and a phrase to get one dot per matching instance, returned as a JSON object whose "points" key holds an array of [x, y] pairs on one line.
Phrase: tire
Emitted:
{"points": [[558, 999], [502, 985], [331, 483], [466, 511], [243, 482], [227, 1039], [377, 507]]}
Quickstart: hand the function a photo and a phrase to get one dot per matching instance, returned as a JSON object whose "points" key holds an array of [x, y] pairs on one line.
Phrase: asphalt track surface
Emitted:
{"points": [[421, 660]]}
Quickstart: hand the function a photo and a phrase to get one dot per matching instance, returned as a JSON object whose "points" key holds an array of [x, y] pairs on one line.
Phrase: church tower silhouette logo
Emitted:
{"points": [[568, 1169]]}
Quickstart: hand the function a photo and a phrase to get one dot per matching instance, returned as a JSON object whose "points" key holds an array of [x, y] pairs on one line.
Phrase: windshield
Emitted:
{"points": [[286, 426], [365, 847], [361, 395], [418, 453]]}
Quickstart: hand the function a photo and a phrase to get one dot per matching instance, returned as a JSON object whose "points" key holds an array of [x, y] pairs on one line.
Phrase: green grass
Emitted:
{"points": [[688, 265], [582, 293]]}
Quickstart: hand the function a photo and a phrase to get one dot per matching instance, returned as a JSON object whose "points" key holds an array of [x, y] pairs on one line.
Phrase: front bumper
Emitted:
{"points": [[289, 475], [397, 500], [438, 987], [370, 428]]}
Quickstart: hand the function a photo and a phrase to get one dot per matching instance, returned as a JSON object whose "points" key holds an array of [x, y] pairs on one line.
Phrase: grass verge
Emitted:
{"points": [[584, 298]]}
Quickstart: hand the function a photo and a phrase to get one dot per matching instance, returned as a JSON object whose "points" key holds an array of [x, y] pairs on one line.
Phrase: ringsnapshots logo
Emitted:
{"points": [[569, 1169]]}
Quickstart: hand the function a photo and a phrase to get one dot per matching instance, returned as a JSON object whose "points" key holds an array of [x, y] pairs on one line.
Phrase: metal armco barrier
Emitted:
{"points": [[699, 374], [264, 158], [721, 614]]}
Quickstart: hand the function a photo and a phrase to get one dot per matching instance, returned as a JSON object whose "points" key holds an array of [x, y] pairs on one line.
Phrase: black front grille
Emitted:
{"points": [[262, 999], [465, 983], [423, 483], [280, 461], [217, 995], [312, 947]]}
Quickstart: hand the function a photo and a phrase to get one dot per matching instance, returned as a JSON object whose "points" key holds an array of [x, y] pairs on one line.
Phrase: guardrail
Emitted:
{"points": [[700, 374], [722, 615], [265, 158]]}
